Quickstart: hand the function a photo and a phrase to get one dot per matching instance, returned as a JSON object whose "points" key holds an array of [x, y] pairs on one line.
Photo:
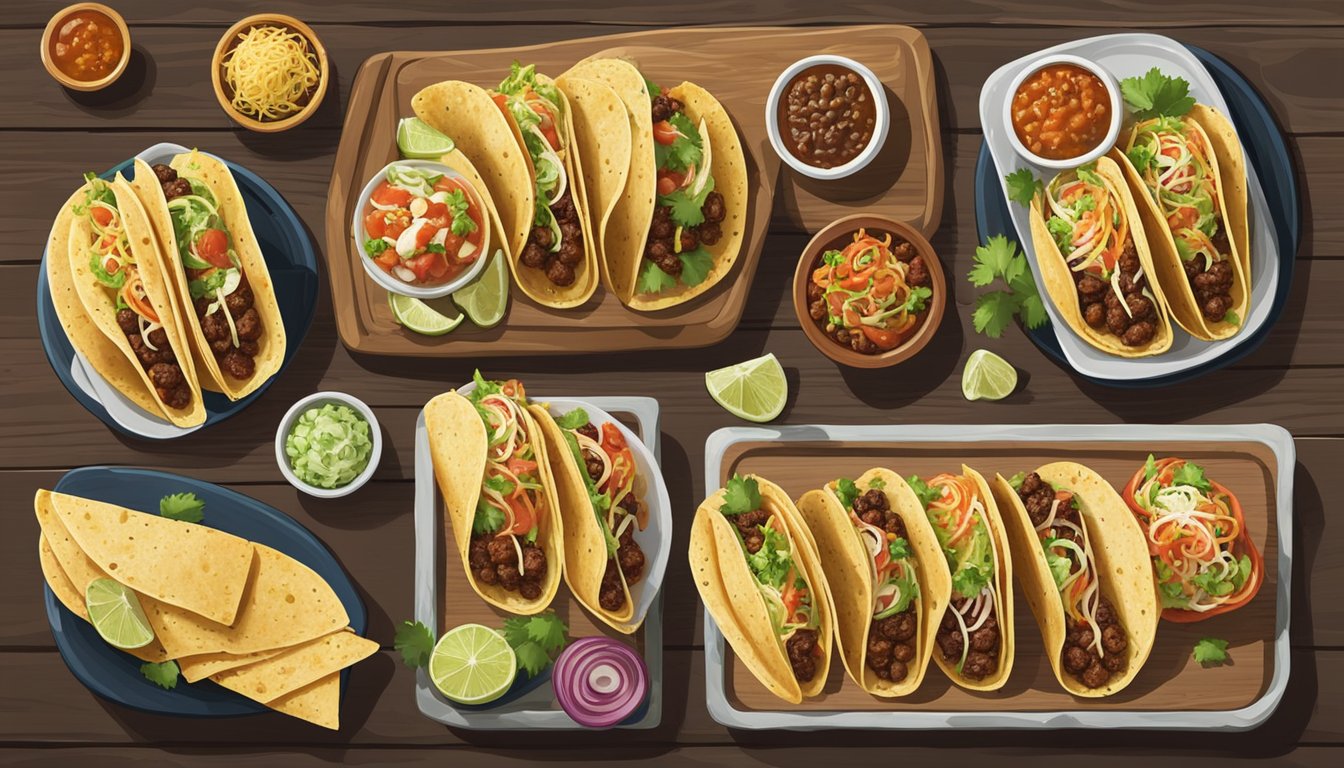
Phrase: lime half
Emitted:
{"points": [[486, 298], [755, 390], [433, 318], [987, 377], [114, 610], [472, 664], [418, 141]]}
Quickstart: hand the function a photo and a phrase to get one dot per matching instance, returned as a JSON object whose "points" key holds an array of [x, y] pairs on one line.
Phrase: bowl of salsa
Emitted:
{"points": [[86, 46], [1064, 112], [421, 229]]}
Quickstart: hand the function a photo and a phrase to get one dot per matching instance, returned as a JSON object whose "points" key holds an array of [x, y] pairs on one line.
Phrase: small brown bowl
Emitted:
{"points": [[836, 235], [85, 85], [230, 39]]}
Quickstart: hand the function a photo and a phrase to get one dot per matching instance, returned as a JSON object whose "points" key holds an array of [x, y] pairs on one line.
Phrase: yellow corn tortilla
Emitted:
{"points": [[481, 131], [602, 134], [1058, 278], [730, 592], [319, 703], [266, 680], [202, 665], [99, 301], [1123, 568], [849, 574], [457, 446]]}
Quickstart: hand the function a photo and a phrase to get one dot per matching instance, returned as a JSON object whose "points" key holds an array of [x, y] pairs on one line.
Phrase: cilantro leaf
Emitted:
{"points": [[916, 301], [487, 518], [998, 257], [994, 311], [1211, 651], [832, 258], [899, 549], [415, 642], [687, 209], [847, 491], [696, 266], [927, 494], [573, 420], [1141, 156], [741, 494], [531, 658], [1191, 474], [1156, 95], [1023, 186], [375, 246], [548, 631], [162, 674], [652, 279], [684, 151], [1061, 230], [182, 506], [652, 87], [1032, 309], [535, 640]]}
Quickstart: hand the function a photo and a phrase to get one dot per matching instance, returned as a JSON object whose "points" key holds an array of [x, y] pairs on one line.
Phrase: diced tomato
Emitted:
{"points": [[424, 265], [424, 235], [883, 338], [388, 259], [667, 184], [375, 223], [397, 222], [521, 466], [386, 194], [547, 125], [1182, 218], [664, 133], [101, 216], [523, 515], [213, 246]]}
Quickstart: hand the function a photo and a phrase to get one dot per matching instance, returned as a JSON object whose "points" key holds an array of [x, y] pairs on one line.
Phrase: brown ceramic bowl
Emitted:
{"points": [[836, 235], [230, 39], [85, 85]]}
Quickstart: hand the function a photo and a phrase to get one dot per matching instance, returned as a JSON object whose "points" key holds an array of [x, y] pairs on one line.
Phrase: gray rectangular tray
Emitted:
{"points": [[1275, 438], [537, 709]]}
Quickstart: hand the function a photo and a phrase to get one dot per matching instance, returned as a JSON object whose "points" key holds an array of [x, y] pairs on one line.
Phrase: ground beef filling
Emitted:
{"points": [[1078, 657], [238, 362], [854, 339], [801, 648], [660, 247], [160, 364], [983, 658], [558, 265], [494, 560], [1102, 308], [629, 559], [891, 640], [1212, 286]]}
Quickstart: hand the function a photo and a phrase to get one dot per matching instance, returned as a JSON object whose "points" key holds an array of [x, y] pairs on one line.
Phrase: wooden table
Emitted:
{"points": [[1292, 51]]}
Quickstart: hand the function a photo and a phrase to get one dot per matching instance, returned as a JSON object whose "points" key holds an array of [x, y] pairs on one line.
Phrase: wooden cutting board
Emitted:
{"points": [[738, 65]]}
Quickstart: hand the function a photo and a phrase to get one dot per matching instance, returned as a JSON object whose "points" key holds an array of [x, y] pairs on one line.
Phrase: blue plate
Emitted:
{"points": [[114, 675], [1266, 150], [289, 258]]}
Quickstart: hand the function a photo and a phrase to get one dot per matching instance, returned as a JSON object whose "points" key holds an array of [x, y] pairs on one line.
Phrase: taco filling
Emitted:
{"points": [[768, 548], [1094, 640], [895, 610], [688, 212], [219, 290], [608, 468], [555, 242], [1173, 159], [113, 264], [968, 636], [1087, 220], [503, 549]]}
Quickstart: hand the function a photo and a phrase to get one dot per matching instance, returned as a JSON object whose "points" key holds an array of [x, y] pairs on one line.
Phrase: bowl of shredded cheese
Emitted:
{"points": [[269, 72]]}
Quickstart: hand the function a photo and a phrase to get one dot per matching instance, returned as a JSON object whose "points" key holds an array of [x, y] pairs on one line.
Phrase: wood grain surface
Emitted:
{"points": [[1289, 51]]}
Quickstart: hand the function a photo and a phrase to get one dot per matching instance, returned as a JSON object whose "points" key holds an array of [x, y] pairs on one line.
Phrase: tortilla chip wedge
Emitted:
{"points": [[267, 680], [319, 703]]}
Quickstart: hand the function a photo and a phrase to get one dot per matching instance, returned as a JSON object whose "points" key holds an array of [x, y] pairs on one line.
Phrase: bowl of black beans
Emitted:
{"points": [[827, 116]]}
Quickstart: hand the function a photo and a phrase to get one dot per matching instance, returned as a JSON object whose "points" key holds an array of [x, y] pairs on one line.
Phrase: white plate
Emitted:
{"points": [[1131, 55]]}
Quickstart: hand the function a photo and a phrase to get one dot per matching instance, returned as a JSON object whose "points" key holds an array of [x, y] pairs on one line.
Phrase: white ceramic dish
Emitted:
{"points": [[1112, 131], [318, 399], [1129, 55], [881, 123]]}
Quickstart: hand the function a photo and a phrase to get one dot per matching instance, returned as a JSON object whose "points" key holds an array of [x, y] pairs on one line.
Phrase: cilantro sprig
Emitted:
{"points": [[182, 506], [535, 640], [414, 642], [1211, 651], [927, 494], [999, 258], [1157, 95], [741, 494], [162, 673]]}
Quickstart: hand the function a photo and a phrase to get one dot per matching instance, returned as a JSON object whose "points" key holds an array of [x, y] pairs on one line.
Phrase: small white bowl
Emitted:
{"points": [[320, 399], [387, 281], [881, 123], [1112, 133]]}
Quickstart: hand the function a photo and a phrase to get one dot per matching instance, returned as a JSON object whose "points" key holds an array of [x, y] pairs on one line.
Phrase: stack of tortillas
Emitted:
{"points": [[251, 619]]}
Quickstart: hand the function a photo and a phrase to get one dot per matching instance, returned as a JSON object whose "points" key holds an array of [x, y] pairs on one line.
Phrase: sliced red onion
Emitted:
{"points": [[599, 682]]}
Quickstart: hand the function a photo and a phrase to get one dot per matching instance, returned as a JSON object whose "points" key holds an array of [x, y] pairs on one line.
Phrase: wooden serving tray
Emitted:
{"points": [[1169, 682], [738, 65]]}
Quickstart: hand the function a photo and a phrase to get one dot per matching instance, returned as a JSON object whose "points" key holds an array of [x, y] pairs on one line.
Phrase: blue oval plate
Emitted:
{"points": [[1266, 150], [114, 675], [289, 258]]}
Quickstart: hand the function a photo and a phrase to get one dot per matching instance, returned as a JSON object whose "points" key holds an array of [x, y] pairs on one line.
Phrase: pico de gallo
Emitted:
{"points": [[872, 295], [1205, 561], [422, 227]]}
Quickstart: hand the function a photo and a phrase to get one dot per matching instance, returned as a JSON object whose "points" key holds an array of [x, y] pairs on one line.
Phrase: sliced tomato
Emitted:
{"points": [[423, 265], [622, 460], [666, 185], [386, 194], [388, 259], [524, 517], [424, 235], [101, 216], [212, 245], [521, 466], [664, 133], [375, 223], [547, 125]]}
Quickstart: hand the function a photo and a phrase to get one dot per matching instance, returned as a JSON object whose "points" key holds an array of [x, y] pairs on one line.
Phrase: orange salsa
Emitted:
{"points": [[86, 45], [1061, 111]]}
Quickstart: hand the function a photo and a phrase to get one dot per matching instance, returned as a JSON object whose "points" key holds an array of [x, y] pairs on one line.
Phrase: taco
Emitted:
{"points": [[678, 228], [1202, 552], [602, 502], [1189, 178], [216, 269], [493, 471], [887, 579], [1085, 573], [557, 265], [107, 278], [975, 635], [1092, 254], [755, 565]]}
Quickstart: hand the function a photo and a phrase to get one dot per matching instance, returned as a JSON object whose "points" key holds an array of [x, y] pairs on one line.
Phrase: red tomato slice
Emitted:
{"points": [[386, 194], [101, 216], [397, 224], [664, 133], [666, 185], [423, 236], [213, 246], [883, 338], [375, 223]]}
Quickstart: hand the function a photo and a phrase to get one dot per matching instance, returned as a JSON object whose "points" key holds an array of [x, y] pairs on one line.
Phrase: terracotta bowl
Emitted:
{"points": [[835, 236], [86, 85], [230, 39]]}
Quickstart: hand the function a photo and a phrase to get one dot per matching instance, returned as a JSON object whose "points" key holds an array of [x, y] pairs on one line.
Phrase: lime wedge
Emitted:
{"points": [[987, 377], [755, 390], [114, 610], [472, 664], [433, 318], [486, 298], [418, 141]]}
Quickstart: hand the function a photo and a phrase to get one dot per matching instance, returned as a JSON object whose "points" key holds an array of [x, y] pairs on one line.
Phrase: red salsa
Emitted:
{"points": [[86, 45], [421, 227], [1061, 111]]}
